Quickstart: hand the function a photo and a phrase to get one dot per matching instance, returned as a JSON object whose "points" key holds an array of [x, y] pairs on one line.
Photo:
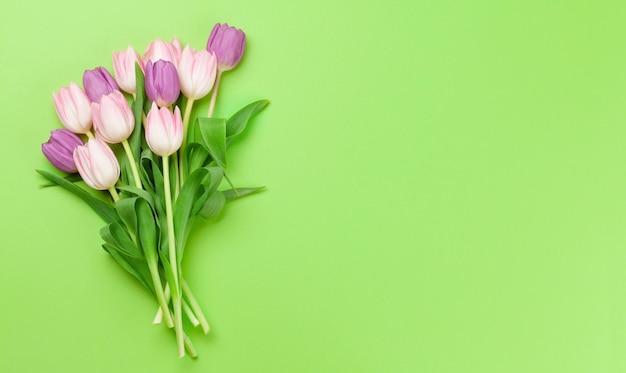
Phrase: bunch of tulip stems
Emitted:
{"points": [[163, 72]]}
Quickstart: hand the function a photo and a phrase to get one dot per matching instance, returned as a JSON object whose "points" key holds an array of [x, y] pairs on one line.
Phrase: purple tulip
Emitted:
{"points": [[60, 149], [162, 84], [98, 82], [227, 43]]}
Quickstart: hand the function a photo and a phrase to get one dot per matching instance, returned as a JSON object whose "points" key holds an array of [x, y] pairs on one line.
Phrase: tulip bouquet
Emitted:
{"points": [[152, 171]]}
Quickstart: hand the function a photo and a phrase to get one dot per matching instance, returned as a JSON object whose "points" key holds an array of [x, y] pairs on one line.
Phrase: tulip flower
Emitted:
{"points": [[162, 50], [98, 82], [227, 43], [162, 84], [60, 149], [164, 130], [96, 164], [73, 108], [196, 72], [124, 69], [113, 119]]}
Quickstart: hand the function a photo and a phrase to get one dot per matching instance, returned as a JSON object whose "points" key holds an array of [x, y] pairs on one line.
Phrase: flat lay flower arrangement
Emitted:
{"points": [[152, 172]]}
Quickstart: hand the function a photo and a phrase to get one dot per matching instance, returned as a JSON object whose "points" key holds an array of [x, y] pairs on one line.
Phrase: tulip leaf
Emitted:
{"points": [[213, 179], [126, 210], [196, 156], [238, 121], [114, 234], [231, 194], [103, 209], [134, 269], [135, 138], [147, 196], [213, 134], [213, 206], [184, 205], [148, 235], [70, 177]]}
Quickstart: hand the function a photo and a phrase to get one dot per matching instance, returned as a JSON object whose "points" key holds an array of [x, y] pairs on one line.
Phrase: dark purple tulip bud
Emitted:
{"points": [[162, 84], [60, 149], [227, 43], [98, 82]]}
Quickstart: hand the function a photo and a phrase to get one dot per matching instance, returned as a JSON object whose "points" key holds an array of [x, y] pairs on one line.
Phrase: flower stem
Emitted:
{"points": [[214, 93], [195, 307], [89, 135], [116, 197], [133, 164], [175, 287], [158, 288], [159, 315], [181, 160]]}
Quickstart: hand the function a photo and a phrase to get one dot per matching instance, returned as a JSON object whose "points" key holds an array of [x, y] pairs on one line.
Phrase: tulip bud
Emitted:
{"points": [[164, 130], [96, 164], [227, 43], [113, 118], [60, 149], [124, 69], [162, 84], [73, 108], [98, 82], [162, 50], [196, 72]]}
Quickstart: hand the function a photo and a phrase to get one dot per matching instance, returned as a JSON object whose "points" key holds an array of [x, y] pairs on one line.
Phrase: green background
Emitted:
{"points": [[446, 191]]}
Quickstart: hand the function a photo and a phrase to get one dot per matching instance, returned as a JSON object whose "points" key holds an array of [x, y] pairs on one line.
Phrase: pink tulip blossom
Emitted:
{"points": [[164, 130], [124, 69], [73, 108], [97, 164], [196, 72], [113, 119]]}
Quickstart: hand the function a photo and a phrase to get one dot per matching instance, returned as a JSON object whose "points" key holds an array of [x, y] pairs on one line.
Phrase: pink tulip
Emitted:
{"points": [[162, 50], [164, 130], [113, 119], [97, 164], [124, 69], [196, 72], [73, 108]]}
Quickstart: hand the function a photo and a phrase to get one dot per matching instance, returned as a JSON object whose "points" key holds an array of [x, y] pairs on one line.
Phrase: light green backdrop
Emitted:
{"points": [[446, 191]]}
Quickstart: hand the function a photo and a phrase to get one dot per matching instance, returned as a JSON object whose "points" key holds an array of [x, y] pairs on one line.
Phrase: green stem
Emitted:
{"points": [[133, 164], [159, 315], [89, 135], [175, 287], [181, 160], [190, 315], [216, 86], [158, 288], [195, 306], [116, 197]]}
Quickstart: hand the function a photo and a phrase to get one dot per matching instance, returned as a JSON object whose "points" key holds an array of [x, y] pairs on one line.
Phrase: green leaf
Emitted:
{"points": [[148, 233], [72, 178], [135, 138], [126, 210], [213, 134], [147, 196], [214, 178], [183, 208], [134, 269], [114, 234], [103, 209], [196, 155], [230, 194], [237, 123], [213, 206]]}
